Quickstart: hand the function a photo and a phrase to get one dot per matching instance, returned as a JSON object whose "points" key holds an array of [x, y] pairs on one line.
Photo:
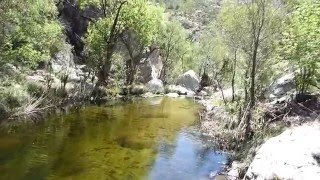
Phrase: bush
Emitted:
{"points": [[35, 90]]}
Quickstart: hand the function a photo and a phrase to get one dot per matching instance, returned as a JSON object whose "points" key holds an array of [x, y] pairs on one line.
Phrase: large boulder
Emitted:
{"points": [[281, 87], [189, 80], [8, 70], [63, 61], [137, 89], [295, 154], [172, 95], [155, 86], [150, 68], [76, 21]]}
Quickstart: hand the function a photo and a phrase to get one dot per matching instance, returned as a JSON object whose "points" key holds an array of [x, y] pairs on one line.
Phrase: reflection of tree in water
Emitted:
{"points": [[67, 162], [207, 158], [102, 141]]}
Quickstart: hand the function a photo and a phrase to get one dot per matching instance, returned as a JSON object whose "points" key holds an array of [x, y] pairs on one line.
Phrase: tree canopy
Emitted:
{"points": [[31, 32], [300, 44]]}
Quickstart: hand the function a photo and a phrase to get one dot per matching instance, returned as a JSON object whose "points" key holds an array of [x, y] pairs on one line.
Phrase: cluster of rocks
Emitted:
{"points": [[186, 84], [294, 154], [62, 72]]}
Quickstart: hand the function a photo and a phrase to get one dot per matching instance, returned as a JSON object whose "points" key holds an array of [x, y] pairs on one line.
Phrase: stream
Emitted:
{"points": [[155, 139]]}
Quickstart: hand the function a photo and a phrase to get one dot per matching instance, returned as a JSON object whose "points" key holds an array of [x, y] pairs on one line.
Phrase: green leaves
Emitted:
{"points": [[142, 18], [300, 44], [32, 32], [136, 16]]}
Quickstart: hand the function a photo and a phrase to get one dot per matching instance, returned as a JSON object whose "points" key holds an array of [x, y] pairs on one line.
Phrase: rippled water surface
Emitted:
{"points": [[143, 139]]}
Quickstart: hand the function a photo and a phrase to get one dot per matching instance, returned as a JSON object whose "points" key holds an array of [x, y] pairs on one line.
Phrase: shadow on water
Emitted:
{"points": [[141, 139]]}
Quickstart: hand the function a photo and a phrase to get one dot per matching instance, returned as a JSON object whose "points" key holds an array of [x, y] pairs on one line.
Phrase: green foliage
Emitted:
{"points": [[238, 28], [35, 90], [212, 51], [300, 45], [31, 31], [13, 96], [85, 3], [175, 49], [137, 16], [143, 19]]}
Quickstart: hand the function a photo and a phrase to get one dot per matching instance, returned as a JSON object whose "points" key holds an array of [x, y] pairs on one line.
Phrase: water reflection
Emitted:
{"points": [[187, 159], [143, 139]]}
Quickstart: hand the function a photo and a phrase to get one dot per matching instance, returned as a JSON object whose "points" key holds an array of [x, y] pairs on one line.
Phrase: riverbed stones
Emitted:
{"points": [[295, 154], [189, 80]]}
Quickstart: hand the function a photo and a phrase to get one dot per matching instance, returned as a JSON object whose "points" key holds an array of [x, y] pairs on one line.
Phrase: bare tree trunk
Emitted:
{"points": [[253, 75], [234, 75], [222, 93]]}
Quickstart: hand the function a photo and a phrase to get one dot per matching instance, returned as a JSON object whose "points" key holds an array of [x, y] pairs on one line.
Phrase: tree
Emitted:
{"points": [[143, 26], [30, 31], [173, 46], [137, 18], [213, 56], [250, 30], [300, 45], [230, 27]]}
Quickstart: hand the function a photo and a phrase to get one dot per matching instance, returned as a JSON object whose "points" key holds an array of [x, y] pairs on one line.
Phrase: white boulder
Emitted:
{"points": [[155, 86], [189, 80], [294, 154]]}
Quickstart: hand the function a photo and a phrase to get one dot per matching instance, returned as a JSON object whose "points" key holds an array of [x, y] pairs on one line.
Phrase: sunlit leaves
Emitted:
{"points": [[32, 31], [301, 42], [137, 16]]}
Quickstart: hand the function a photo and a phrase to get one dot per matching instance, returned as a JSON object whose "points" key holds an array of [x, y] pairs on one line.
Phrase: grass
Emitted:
{"points": [[33, 109]]}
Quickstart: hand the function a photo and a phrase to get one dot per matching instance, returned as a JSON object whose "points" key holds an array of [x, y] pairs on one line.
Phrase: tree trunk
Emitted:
{"points": [[253, 74], [104, 71], [222, 93], [234, 75]]}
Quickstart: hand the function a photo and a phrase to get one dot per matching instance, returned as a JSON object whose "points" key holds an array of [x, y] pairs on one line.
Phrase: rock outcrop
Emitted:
{"points": [[281, 87], [64, 74], [295, 154], [150, 68], [189, 80], [76, 22]]}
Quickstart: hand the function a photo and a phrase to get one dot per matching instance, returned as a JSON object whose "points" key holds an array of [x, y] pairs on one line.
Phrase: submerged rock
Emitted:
{"points": [[295, 154], [189, 80]]}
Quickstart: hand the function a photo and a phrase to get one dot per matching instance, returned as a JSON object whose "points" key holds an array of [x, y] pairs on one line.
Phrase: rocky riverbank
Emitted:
{"points": [[283, 146]]}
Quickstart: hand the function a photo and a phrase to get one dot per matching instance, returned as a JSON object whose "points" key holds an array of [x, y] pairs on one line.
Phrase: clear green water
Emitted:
{"points": [[143, 139]]}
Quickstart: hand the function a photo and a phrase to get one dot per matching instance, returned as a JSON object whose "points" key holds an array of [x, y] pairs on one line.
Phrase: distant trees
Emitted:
{"points": [[300, 45], [30, 31]]}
